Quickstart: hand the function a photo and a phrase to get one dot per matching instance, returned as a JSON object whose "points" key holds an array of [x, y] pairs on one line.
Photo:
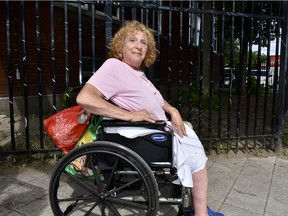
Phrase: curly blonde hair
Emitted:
{"points": [[130, 27]]}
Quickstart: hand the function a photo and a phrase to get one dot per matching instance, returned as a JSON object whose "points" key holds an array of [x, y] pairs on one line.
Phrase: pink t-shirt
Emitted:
{"points": [[128, 88]]}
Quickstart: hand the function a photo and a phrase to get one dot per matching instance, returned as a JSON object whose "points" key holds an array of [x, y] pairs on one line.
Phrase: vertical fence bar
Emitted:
{"points": [[211, 83], [267, 85], [230, 99], [169, 72], [25, 76], [67, 93], [221, 68], [145, 12], [192, 26], [10, 76], [180, 59], [108, 21], [93, 37], [53, 56], [258, 76], [134, 13], [276, 77], [39, 70], [239, 78], [122, 14], [158, 39], [248, 87], [283, 82], [201, 59], [80, 43]]}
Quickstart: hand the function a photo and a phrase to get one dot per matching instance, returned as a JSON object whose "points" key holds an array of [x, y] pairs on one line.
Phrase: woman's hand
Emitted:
{"points": [[141, 115], [177, 122]]}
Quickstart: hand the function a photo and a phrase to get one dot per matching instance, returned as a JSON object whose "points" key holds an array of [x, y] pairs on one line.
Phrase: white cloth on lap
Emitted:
{"points": [[189, 154]]}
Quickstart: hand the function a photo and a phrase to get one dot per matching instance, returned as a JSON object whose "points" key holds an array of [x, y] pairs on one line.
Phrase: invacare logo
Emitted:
{"points": [[159, 137]]}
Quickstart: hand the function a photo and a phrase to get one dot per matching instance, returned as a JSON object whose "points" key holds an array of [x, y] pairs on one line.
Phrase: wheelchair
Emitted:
{"points": [[127, 176]]}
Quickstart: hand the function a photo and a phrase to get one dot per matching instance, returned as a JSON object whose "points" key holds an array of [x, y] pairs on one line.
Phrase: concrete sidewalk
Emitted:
{"points": [[237, 187], [249, 187]]}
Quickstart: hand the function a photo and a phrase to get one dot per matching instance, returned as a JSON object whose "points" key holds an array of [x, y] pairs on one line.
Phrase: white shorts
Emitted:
{"points": [[189, 156]]}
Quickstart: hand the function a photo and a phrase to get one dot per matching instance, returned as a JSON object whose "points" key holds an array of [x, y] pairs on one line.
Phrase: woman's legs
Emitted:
{"points": [[199, 192]]}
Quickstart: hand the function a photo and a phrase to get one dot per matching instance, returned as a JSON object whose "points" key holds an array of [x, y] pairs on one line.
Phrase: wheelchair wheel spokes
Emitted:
{"points": [[120, 183], [75, 193]]}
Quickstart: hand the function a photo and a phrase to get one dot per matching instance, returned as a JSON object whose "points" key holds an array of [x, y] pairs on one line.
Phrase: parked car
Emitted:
{"points": [[229, 78], [263, 77]]}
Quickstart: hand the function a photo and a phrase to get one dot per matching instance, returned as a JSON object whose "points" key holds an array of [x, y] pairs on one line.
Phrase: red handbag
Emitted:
{"points": [[67, 126]]}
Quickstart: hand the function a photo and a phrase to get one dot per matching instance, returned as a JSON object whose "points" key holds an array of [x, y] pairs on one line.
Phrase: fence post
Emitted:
{"points": [[283, 80]]}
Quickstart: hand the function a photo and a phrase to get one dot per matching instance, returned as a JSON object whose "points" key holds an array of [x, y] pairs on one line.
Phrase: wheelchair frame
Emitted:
{"points": [[120, 181]]}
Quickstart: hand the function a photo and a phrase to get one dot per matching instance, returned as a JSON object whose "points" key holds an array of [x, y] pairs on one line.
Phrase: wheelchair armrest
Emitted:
{"points": [[121, 123]]}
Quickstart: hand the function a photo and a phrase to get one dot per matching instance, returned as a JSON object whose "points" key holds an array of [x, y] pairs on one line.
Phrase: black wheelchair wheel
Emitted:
{"points": [[119, 182]]}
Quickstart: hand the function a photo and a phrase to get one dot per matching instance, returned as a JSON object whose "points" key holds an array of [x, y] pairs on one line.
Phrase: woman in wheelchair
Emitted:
{"points": [[121, 80]]}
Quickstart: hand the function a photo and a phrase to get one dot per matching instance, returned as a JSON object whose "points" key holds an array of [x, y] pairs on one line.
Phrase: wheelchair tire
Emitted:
{"points": [[121, 183]]}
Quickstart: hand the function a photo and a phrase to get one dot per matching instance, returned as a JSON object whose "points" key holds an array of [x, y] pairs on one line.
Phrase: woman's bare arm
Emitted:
{"points": [[176, 119], [92, 100]]}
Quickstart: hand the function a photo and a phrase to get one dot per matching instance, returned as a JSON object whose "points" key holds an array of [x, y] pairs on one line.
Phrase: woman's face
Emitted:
{"points": [[135, 49]]}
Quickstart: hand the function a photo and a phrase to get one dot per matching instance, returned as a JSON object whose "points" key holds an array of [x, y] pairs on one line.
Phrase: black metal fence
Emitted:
{"points": [[223, 64]]}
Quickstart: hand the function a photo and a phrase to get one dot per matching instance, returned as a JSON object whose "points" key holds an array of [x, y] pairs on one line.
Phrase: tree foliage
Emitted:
{"points": [[258, 26]]}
